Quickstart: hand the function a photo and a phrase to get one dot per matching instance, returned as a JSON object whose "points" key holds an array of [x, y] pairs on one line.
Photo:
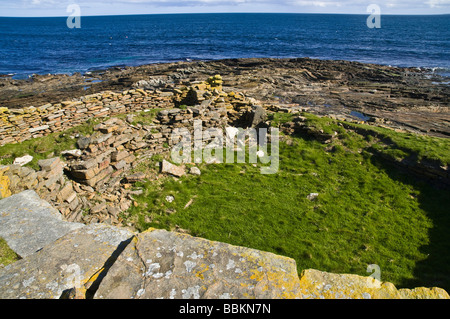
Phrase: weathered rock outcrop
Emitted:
{"points": [[104, 261], [29, 223], [74, 260], [323, 285], [161, 264]]}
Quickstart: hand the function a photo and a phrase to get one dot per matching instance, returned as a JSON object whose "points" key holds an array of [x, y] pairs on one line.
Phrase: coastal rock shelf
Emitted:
{"points": [[108, 262], [405, 98]]}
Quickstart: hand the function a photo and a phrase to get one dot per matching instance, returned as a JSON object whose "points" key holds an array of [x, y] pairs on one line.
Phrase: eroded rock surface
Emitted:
{"points": [[162, 264], [29, 223], [323, 285], [75, 260]]}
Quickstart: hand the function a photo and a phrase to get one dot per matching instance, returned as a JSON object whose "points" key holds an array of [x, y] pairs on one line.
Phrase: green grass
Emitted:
{"points": [[366, 212], [145, 117], [47, 146], [402, 145], [7, 255], [278, 119]]}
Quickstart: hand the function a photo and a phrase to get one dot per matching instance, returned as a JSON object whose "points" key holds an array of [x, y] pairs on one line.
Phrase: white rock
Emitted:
{"points": [[312, 196], [23, 160], [195, 171], [74, 153], [170, 198]]}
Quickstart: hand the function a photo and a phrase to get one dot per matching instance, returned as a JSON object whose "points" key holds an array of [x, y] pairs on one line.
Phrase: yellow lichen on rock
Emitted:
{"points": [[5, 183], [424, 293], [322, 285]]}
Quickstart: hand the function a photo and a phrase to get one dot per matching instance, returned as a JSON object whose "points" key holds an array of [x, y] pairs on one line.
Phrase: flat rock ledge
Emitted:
{"points": [[109, 262]]}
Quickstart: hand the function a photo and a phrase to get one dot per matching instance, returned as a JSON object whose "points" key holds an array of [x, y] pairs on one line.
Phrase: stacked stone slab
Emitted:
{"points": [[92, 188], [17, 125], [49, 182]]}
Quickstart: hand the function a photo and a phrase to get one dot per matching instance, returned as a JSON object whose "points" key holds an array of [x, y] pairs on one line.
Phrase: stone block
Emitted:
{"points": [[28, 223], [179, 266], [77, 260]]}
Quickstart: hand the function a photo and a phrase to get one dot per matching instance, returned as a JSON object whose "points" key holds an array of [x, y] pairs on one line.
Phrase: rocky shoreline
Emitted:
{"points": [[404, 98]]}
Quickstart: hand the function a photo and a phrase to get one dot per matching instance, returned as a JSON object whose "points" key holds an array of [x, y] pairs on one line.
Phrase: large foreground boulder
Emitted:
{"points": [[69, 260], [28, 223], [78, 260], [162, 264]]}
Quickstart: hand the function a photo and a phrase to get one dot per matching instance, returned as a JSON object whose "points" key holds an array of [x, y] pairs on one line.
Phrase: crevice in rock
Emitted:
{"points": [[90, 292], [93, 286]]}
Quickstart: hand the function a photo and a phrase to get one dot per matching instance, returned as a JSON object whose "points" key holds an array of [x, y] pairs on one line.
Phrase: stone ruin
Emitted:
{"points": [[80, 194]]}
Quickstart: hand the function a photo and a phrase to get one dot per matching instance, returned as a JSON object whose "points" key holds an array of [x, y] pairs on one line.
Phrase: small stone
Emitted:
{"points": [[260, 153], [195, 171], [72, 153], [23, 160], [83, 142], [49, 164], [172, 169], [170, 198], [139, 176], [312, 196], [98, 208]]}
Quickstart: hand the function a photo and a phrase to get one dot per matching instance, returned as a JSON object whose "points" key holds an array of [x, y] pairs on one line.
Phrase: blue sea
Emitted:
{"points": [[47, 45]]}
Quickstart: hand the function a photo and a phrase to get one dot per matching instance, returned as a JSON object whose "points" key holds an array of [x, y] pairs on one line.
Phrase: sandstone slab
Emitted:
{"points": [[77, 260], [169, 168], [162, 264], [28, 223]]}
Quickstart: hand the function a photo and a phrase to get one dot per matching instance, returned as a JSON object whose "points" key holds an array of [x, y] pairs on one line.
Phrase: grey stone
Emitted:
{"points": [[49, 164], [72, 153], [257, 115], [83, 142], [28, 223], [162, 264], [39, 128], [195, 171], [136, 177], [167, 167], [23, 160], [78, 260], [312, 196]]}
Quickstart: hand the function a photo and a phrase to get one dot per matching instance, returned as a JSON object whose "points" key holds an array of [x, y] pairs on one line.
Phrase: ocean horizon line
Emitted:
{"points": [[208, 13]]}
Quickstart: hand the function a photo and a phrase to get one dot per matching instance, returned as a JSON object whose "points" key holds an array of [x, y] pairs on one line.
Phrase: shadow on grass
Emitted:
{"points": [[434, 199]]}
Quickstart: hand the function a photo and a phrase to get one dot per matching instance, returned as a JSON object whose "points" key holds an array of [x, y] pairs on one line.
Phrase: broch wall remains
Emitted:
{"points": [[63, 220]]}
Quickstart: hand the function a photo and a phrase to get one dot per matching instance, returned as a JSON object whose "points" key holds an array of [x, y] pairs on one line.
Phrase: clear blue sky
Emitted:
{"points": [[40, 8]]}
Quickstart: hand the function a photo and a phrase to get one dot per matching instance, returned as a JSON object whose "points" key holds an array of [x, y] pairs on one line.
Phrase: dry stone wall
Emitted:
{"points": [[17, 125], [92, 183]]}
